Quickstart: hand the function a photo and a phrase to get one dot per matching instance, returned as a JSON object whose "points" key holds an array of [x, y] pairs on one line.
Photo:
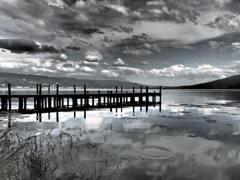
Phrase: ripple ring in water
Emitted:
{"points": [[156, 153]]}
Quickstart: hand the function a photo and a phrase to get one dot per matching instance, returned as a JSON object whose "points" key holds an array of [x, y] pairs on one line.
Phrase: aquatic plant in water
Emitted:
{"points": [[47, 156]]}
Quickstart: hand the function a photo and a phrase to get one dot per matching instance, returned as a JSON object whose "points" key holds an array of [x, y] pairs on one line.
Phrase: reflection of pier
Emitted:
{"points": [[68, 102]]}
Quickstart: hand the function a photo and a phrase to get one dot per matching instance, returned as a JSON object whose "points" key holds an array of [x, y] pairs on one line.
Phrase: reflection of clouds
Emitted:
{"points": [[236, 129], [207, 111], [93, 123], [134, 126], [218, 164]]}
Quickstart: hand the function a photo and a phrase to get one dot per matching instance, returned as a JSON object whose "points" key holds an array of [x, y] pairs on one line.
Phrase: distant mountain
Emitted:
{"points": [[30, 81], [232, 82]]}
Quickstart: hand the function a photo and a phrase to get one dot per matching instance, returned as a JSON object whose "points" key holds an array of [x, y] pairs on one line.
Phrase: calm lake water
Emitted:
{"points": [[195, 136]]}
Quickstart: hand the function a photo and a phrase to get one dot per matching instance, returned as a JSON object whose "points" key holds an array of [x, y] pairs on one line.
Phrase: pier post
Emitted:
{"points": [[57, 116], [57, 92], [39, 98], [133, 96], [147, 96], [36, 88], [99, 99], [85, 97], [20, 104], [54, 102], [49, 102], [92, 100], [49, 89], [57, 89], [40, 117], [74, 100], [160, 98], [110, 101], [140, 97], [116, 89], [62, 105], [9, 94], [85, 113], [25, 103], [154, 99], [4, 104]]}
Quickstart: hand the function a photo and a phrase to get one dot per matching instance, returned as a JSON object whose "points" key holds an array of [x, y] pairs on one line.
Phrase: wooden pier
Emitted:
{"points": [[61, 102]]}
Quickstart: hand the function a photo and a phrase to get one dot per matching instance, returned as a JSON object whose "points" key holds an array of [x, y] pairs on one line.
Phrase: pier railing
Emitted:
{"points": [[52, 102]]}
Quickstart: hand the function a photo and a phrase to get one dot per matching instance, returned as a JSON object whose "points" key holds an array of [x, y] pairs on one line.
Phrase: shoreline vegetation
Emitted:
{"points": [[32, 154]]}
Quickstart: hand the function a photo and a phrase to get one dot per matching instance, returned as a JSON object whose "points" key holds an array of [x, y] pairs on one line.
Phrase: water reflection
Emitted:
{"points": [[195, 136]]}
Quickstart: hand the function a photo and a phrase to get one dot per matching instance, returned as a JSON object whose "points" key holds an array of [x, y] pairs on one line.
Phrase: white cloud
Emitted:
{"points": [[236, 49], [87, 63], [156, 12], [204, 71], [226, 21], [119, 62], [185, 32], [119, 8], [137, 52], [109, 73], [214, 44], [143, 63], [63, 57], [81, 4], [155, 3], [58, 3], [93, 56]]}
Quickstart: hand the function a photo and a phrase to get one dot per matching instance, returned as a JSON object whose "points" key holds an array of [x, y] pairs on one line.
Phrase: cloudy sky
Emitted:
{"points": [[155, 42]]}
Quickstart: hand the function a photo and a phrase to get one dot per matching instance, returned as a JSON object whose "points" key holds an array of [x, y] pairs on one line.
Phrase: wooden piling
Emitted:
{"points": [[99, 99], [85, 97], [133, 96], [57, 116], [57, 89], [39, 98], [36, 88], [49, 89], [49, 102], [110, 103], [9, 94], [147, 96], [160, 98], [20, 104], [25, 103]]}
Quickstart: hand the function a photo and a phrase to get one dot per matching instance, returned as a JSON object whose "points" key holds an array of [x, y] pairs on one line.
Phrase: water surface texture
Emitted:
{"points": [[196, 135]]}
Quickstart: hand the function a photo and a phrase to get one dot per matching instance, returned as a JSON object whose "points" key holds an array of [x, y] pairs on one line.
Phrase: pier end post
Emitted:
{"points": [[9, 94]]}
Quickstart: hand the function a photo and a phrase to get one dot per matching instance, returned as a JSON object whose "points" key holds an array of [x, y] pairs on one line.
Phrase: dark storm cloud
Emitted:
{"points": [[26, 46], [70, 2], [74, 48], [137, 38], [91, 31], [106, 39], [123, 29]]}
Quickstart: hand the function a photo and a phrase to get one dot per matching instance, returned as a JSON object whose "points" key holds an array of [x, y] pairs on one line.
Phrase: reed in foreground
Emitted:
{"points": [[42, 155]]}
